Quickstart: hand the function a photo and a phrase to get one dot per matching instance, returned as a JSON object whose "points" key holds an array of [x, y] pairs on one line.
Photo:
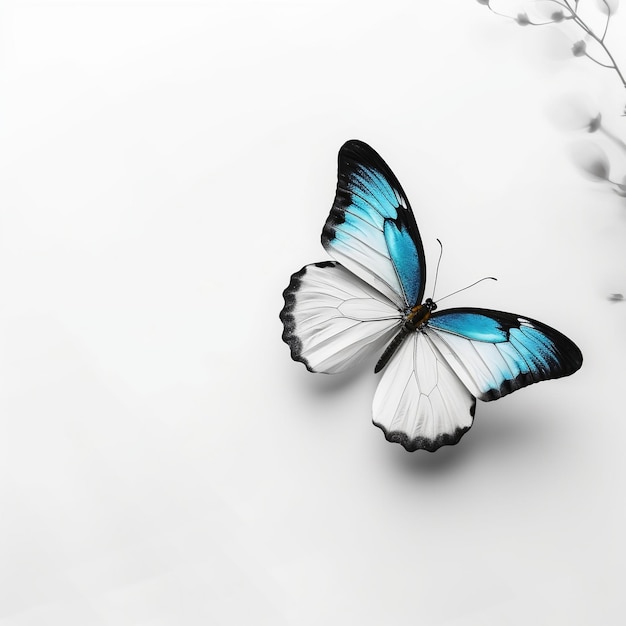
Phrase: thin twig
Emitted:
{"points": [[608, 19], [606, 50], [611, 67]]}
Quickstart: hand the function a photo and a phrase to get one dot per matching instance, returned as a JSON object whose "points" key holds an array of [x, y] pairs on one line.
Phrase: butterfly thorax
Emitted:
{"points": [[419, 314]]}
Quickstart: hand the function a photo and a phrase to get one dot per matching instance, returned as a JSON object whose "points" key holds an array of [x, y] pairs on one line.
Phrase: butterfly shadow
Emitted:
{"points": [[331, 384], [501, 435]]}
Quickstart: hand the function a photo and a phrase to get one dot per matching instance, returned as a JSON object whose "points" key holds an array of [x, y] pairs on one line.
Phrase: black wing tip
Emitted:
{"points": [[355, 151], [570, 355], [351, 154], [358, 148], [289, 335], [574, 358]]}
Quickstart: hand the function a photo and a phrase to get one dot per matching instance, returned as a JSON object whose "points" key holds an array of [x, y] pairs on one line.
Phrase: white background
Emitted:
{"points": [[164, 168]]}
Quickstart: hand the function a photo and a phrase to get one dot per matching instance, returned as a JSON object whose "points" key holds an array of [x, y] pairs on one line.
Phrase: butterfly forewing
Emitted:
{"points": [[371, 229]]}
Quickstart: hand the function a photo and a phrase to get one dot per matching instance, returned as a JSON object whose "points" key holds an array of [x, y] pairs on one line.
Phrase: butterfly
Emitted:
{"points": [[369, 299]]}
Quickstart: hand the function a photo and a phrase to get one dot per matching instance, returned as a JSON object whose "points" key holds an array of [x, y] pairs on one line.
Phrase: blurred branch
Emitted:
{"points": [[589, 156], [568, 11]]}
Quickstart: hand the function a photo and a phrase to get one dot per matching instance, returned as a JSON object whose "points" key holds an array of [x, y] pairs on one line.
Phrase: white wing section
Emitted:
{"points": [[420, 402], [332, 319]]}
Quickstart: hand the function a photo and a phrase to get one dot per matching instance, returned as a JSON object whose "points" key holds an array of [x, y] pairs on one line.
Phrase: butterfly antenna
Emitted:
{"points": [[464, 288], [437, 270]]}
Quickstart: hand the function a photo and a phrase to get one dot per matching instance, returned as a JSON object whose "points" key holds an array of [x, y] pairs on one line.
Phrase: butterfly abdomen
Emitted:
{"points": [[390, 350], [417, 317]]}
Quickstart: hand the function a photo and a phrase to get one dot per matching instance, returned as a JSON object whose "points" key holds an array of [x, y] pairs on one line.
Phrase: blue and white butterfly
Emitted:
{"points": [[436, 363]]}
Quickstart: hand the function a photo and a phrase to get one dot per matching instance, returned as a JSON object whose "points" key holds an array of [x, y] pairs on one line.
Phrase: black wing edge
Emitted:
{"points": [[570, 358], [353, 153], [286, 314], [422, 443]]}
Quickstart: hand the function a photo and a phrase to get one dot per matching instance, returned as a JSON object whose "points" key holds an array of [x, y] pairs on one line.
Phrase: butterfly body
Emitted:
{"points": [[414, 320], [436, 363]]}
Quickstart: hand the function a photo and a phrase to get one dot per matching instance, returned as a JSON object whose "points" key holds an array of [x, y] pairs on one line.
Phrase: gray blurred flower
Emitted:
{"points": [[608, 7], [620, 188], [595, 123], [579, 49], [592, 160], [576, 111]]}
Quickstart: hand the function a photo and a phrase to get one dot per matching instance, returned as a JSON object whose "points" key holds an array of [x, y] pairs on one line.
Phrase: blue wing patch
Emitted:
{"points": [[473, 325], [495, 353], [405, 259], [371, 228]]}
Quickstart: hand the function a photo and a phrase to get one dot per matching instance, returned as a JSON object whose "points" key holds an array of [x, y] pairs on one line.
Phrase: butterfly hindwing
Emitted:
{"points": [[495, 353], [371, 229], [420, 402], [332, 318]]}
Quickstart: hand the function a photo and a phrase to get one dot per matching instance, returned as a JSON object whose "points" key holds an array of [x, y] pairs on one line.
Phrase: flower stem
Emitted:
{"points": [[612, 137], [599, 62]]}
